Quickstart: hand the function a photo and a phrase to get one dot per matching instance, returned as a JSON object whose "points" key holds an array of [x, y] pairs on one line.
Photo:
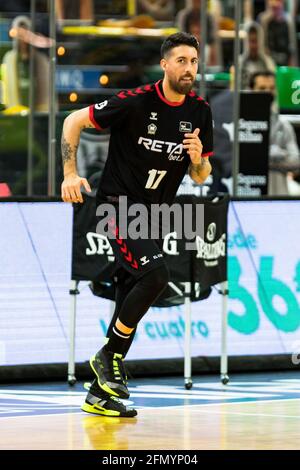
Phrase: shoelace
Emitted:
{"points": [[123, 370], [118, 367]]}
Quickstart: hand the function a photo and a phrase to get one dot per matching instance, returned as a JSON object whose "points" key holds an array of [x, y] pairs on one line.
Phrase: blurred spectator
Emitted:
{"points": [[82, 10], [284, 152], [227, 9], [279, 33], [222, 110], [161, 10], [189, 20], [254, 59], [15, 70]]}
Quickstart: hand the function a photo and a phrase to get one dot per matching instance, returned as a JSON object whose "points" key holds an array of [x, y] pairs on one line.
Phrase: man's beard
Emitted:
{"points": [[181, 87]]}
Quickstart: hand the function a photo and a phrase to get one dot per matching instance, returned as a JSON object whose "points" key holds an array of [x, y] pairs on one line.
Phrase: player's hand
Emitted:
{"points": [[70, 188], [194, 146]]}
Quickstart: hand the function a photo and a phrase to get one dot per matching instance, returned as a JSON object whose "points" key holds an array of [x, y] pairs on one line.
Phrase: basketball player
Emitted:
{"points": [[158, 132]]}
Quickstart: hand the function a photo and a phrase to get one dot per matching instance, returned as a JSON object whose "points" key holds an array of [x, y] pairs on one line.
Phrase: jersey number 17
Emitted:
{"points": [[155, 177]]}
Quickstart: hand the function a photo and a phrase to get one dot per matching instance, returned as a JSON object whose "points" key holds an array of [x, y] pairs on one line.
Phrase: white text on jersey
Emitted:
{"points": [[173, 149]]}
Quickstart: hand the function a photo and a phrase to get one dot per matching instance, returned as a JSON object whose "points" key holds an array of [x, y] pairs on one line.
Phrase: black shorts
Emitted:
{"points": [[135, 256]]}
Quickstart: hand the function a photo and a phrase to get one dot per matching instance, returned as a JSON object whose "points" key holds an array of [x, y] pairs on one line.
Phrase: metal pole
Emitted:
{"points": [[112, 305], [203, 29], [31, 106], [72, 332], [187, 343], [236, 99], [224, 353], [52, 103]]}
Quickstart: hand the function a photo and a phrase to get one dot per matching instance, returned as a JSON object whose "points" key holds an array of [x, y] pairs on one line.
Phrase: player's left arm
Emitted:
{"points": [[200, 167]]}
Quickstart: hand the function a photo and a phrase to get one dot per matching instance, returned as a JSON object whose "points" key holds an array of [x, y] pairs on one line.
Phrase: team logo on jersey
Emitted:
{"points": [[152, 128], [101, 105], [153, 116], [185, 126]]}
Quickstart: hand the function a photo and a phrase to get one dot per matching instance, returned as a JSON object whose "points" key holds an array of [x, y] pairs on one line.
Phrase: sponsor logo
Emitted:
{"points": [[144, 260], [152, 128], [176, 153], [211, 252], [170, 244], [249, 131], [101, 105], [211, 232], [98, 245], [185, 126], [173, 149], [153, 116], [242, 240], [296, 94]]}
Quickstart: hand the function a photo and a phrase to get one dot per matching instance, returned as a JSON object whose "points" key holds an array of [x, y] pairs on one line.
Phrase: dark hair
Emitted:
{"points": [[266, 73], [252, 29], [178, 39]]}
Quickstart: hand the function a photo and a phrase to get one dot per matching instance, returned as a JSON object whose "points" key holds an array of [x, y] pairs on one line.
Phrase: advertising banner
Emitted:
{"points": [[254, 128], [254, 143]]}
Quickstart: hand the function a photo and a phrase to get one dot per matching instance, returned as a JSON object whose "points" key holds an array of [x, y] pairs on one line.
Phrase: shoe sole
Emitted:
{"points": [[110, 413], [105, 387]]}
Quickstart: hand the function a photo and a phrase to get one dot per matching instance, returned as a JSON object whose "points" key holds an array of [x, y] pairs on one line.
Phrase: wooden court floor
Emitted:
{"points": [[253, 412]]}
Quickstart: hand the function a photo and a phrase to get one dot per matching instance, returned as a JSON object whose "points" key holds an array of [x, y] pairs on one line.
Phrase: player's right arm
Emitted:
{"points": [[107, 114], [73, 125]]}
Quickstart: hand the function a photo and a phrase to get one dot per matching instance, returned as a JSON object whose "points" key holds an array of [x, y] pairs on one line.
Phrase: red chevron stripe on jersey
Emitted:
{"points": [[127, 255], [192, 94], [137, 91]]}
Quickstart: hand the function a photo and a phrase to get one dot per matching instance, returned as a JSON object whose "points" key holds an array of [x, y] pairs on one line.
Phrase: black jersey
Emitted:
{"points": [[146, 160]]}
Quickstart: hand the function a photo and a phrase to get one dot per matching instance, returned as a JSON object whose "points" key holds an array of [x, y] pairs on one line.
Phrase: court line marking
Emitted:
{"points": [[213, 394], [67, 413], [224, 412], [199, 406], [244, 402], [174, 395], [40, 392]]}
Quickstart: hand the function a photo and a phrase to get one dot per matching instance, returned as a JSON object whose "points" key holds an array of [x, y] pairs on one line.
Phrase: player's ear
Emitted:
{"points": [[163, 64]]}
